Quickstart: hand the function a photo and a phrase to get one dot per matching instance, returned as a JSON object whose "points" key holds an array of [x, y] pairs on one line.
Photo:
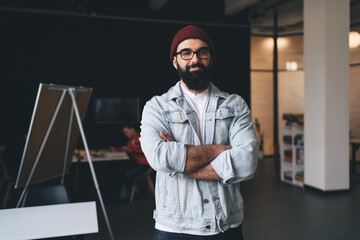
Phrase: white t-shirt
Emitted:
{"points": [[198, 102]]}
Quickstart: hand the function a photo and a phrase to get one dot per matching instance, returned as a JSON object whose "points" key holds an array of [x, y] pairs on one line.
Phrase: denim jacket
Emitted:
{"points": [[186, 203]]}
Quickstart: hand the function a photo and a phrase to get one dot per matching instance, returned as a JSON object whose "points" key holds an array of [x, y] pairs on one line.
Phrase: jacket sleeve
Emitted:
{"points": [[162, 156], [240, 162]]}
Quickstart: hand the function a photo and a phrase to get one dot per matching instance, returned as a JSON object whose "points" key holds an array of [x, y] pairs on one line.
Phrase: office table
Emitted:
{"points": [[355, 145], [100, 156]]}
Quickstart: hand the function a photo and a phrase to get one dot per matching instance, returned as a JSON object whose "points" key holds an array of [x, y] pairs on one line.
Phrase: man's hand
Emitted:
{"points": [[166, 137]]}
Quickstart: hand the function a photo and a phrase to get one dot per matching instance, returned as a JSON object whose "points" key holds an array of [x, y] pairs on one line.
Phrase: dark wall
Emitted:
{"points": [[116, 58]]}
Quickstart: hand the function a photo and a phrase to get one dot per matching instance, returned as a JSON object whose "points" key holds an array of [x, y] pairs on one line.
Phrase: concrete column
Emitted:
{"points": [[326, 97]]}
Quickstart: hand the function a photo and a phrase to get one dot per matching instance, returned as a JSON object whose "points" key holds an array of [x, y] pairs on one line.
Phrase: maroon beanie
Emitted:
{"points": [[191, 32]]}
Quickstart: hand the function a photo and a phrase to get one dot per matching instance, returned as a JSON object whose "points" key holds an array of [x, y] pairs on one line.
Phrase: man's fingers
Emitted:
{"points": [[162, 136], [168, 136], [165, 136]]}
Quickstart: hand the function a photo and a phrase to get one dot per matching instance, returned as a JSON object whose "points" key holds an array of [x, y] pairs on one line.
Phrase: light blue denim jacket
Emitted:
{"points": [[186, 203]]}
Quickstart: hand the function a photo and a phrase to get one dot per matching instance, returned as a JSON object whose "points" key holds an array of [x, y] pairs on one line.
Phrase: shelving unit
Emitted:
{"points": [[292, 155]]}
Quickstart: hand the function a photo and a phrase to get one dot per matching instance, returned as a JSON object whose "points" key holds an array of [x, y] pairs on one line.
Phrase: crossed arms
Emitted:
{"points": [[198, 159], [207, 162]]}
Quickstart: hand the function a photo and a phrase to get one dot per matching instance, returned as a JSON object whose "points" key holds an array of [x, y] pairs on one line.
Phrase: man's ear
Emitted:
{"points": [[175, 62]]}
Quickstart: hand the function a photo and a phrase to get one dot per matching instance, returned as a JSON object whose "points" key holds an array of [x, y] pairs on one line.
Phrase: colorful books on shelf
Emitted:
{"points": [[299, 140], [299, 176], [287, 139], [300, 156], [292, 150], [288, 175], [288, 155]]}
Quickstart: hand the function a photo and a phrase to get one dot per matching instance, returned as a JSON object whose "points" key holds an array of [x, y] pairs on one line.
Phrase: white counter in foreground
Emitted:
{"points": [[48, 221]]}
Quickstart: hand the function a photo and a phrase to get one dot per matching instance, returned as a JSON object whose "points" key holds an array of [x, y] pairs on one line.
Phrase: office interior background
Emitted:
{"points": [[121, 50]]}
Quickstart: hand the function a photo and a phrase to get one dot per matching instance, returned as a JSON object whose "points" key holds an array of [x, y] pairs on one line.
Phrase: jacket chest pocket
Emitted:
{"points": [[179, 125], [223, 118]]}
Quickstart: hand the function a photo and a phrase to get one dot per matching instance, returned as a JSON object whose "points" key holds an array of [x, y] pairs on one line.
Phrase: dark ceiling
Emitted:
{"points": [[211, 11], [256, 14]]}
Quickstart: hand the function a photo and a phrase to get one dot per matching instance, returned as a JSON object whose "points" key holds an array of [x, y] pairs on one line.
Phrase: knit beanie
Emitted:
{"points": [[191, 32]]}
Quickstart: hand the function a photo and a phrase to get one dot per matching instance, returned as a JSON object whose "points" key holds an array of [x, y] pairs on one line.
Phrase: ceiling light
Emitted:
{"points": [[281, 42], [354, 39], [291, 66]]}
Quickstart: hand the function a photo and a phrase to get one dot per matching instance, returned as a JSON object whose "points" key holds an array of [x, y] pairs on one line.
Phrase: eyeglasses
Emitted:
{"points": [[187, 54]]}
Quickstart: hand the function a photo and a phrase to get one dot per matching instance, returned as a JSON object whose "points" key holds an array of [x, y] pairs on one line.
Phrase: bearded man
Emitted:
{"points": [[202, 144]]}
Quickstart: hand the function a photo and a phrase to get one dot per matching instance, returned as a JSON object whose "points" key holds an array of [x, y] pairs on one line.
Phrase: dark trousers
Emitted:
{"points": [[231, 234]]}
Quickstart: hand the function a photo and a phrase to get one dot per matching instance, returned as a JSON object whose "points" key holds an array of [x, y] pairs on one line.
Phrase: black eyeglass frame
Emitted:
{"points": [[193, 53]]}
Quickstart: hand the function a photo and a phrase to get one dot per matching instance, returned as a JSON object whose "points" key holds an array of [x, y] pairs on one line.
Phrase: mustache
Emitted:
{"points": [[200, 65]]}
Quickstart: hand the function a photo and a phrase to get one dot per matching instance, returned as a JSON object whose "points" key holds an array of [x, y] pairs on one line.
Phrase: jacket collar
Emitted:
{"points": [[175, 92]]}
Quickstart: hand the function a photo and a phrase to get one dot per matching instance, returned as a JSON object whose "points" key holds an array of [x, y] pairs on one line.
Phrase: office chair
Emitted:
{"points": [[144, 176], [38, 196]]}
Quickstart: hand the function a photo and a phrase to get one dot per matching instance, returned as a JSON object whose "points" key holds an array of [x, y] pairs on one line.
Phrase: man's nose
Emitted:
{"points": [[195, 59]]}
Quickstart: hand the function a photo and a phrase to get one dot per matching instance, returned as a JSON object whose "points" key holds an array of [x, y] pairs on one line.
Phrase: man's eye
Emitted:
{"points": [[186, 53], [204, 52]]}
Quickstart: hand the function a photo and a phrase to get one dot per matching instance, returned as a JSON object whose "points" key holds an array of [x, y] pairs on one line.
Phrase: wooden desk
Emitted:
{"points": [[355, 145], [100, 156]]}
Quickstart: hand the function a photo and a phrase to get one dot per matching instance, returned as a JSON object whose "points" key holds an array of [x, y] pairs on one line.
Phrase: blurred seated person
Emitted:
{"points": [[138, 164]]}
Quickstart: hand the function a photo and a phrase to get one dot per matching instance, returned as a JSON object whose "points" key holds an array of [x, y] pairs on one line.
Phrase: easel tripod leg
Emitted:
{"points": [[76, 111], [41, 148]]}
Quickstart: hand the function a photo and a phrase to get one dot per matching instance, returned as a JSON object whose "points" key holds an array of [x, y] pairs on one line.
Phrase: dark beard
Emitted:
{"points": [[198, 80]]}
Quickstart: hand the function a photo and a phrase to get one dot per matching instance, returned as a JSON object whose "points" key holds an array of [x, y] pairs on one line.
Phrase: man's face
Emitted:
{"points": [[195, 71], [129, 132]]}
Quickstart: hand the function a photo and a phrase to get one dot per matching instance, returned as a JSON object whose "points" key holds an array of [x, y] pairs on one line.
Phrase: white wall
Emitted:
{"points": [[326, 63]]}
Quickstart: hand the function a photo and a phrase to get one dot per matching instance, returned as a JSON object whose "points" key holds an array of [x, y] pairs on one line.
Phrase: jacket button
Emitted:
{"points": [[208, 227], [206, 201]]}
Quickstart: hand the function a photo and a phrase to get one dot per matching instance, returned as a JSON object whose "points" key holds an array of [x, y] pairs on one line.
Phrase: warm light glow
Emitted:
{"points": [[281, 42], [354, 39], [291, 66], [269, 42]]}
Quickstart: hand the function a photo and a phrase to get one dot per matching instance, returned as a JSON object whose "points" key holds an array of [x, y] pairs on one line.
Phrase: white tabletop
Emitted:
{"points": [[103, 155], [48, 221]]}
